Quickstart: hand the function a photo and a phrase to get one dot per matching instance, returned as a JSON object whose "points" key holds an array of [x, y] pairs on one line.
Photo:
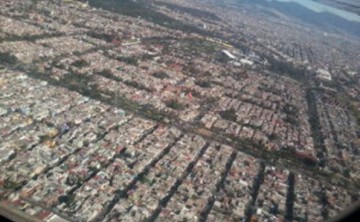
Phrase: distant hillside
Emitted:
{"points": [[324, 20], [347, 5]]}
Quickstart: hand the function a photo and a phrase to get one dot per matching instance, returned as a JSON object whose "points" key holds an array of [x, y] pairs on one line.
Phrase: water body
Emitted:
{"points": [[318, 7]]}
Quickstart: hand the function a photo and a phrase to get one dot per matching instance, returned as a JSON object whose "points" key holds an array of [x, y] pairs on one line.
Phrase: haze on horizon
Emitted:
{"points": [[319, 7]]}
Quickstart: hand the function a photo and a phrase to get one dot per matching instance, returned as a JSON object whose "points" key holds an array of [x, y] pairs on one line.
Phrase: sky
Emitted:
{"points": [[317, 7]]}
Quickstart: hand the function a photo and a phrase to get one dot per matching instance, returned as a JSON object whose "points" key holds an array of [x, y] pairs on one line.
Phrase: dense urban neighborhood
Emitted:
{"points": [[174, 110]]}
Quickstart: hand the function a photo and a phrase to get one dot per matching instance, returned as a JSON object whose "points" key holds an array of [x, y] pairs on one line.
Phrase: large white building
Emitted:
{"points": [[228, 54], [323, 74]]}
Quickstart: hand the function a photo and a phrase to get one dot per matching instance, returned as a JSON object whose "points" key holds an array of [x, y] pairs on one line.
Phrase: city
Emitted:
{"points": [[174, 110]]}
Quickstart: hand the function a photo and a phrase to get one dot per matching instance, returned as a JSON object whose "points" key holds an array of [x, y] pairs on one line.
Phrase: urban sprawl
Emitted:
{"points": [[174, 110]]}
